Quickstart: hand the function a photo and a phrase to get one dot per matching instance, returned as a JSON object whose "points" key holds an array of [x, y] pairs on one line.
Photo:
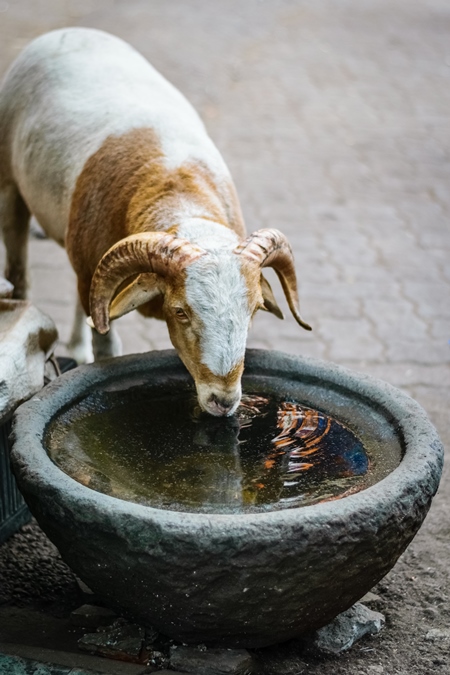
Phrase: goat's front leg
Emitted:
{"points": [[80, 343], [106, 345], [103, 346], [15, 221]]}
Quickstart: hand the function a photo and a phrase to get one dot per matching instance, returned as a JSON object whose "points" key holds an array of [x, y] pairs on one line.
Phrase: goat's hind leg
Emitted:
{"points": [[15, 222]]}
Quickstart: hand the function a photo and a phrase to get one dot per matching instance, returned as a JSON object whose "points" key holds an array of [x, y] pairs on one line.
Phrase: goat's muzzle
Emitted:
{"points": [[221, 407], [217, 401]]}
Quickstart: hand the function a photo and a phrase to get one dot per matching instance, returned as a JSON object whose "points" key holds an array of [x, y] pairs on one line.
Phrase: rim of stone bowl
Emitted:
{"points": [[416, 477]]}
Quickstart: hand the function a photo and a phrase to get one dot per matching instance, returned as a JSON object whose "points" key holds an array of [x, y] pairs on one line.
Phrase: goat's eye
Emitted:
{"points": [[181, 314]]}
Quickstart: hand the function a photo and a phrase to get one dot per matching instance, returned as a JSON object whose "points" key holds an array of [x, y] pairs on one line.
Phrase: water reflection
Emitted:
{"points": [[165, 453], [219, 462]]}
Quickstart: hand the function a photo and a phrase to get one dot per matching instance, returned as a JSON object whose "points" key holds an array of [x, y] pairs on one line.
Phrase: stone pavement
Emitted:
{"points": [[333, 116]]}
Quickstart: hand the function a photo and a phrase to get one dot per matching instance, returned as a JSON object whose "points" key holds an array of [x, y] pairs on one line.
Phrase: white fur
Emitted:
{"points": [[68, 91], [217, 293]]}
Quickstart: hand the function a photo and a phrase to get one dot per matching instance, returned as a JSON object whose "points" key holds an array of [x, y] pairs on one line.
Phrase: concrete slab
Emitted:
{"points": [[20, 659], [40, 637]]}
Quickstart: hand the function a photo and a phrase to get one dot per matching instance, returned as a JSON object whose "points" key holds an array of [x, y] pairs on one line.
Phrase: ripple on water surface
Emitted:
{"points": [[162, 452]]}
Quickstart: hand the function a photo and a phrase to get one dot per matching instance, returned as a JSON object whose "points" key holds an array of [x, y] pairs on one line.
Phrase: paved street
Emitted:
{"points": [[333, 116]]}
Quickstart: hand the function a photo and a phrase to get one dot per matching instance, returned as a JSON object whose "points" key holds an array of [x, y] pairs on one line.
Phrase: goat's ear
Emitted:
{"points": [[144, 288], [270, 304]]}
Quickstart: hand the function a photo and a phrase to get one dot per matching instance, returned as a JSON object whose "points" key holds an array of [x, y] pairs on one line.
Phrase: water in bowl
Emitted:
{"points": [[163, 452]]}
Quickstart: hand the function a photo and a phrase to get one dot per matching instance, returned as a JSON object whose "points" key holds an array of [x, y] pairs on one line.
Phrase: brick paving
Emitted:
{"points": [[333, 116]]}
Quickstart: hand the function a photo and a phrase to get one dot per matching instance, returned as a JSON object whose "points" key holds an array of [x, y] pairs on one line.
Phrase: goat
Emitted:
{"points": [[116, 166]]}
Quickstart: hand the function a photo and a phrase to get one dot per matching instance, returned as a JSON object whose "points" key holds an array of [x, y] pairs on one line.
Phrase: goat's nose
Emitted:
{"points": [[220, 406]]}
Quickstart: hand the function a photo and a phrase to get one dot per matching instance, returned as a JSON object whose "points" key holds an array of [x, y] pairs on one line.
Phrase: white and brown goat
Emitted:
{"points": [[117, 167]]}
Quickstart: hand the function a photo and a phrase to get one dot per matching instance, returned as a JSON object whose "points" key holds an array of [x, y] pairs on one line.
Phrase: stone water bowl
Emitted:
{"points": [[235, 579]]}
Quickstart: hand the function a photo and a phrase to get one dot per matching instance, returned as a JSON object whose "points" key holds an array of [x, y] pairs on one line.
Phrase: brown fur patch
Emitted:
{"points": [[125, 188], [153, 308], [227, 381]]}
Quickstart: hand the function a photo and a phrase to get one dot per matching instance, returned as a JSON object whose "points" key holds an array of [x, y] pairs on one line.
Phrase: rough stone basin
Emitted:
{"points": [[235, 579]]}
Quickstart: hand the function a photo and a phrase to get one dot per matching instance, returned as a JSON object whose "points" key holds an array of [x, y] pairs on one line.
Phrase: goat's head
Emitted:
{"points": [[210, 298]]}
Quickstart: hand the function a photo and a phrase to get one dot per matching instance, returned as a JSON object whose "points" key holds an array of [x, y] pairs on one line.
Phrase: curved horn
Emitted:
{"points": [[157, 252], [270, 248]]}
